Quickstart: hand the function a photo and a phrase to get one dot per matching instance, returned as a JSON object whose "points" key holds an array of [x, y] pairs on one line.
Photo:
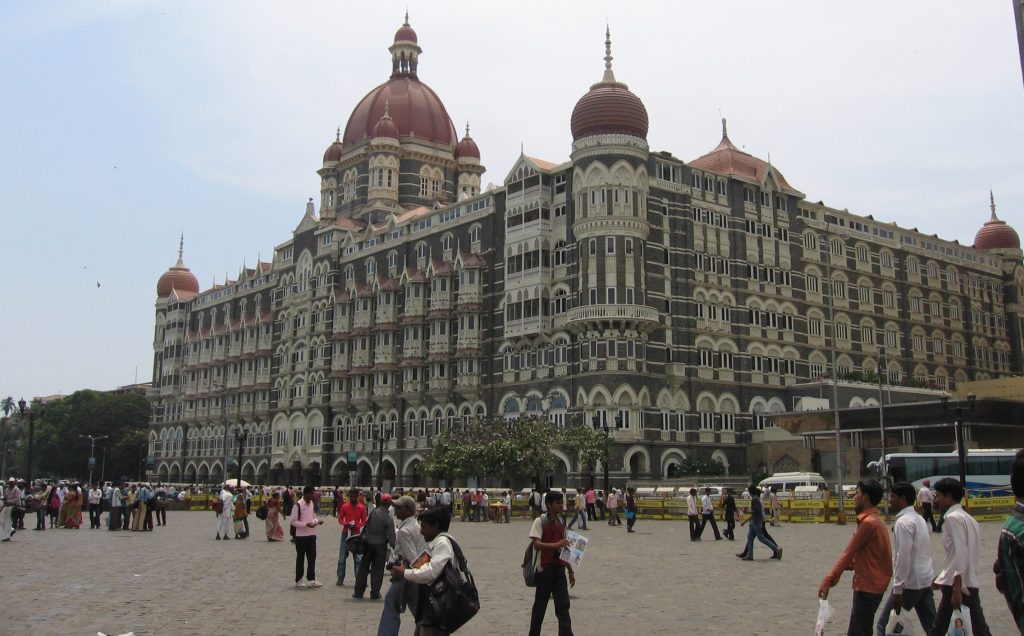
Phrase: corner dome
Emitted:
{"points": [[467, 147], [177, 277], [609, 107], [996, 234], [385, 125], [333, 152]]}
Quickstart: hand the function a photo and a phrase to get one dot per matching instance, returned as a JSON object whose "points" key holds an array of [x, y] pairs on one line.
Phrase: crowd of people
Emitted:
{"points": [[407, 536]]}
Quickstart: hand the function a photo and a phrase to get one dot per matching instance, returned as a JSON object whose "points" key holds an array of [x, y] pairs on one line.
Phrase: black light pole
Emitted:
{"points": [[961, 441], [241, 436], [92, 451], [604, 462], [31, 437], [380, 458]]}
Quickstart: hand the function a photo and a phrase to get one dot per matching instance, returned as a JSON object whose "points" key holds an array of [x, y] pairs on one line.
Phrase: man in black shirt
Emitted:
{"points": [[729, 503]]}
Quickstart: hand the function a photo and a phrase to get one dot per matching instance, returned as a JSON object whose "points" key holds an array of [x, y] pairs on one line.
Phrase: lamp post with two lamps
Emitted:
{"points": [[241, 436], [92, 448], [826, 244], [22, 407]]}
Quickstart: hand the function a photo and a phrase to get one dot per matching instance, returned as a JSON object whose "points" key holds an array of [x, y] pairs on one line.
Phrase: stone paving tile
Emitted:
{"points": [[179, 580]]}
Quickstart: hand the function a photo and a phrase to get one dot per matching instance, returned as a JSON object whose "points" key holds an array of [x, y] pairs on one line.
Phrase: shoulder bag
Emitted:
{"points": [[451, 600]]}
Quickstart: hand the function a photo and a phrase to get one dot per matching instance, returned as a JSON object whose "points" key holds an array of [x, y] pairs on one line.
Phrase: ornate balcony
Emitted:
{"points": [[639, 317]]}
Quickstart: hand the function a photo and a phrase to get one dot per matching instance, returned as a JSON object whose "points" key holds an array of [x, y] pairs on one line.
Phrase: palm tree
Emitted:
{"points": [[7, 405]]}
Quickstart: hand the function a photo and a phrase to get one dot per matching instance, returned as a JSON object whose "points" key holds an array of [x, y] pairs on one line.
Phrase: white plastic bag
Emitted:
{"points": [[899, 625], [960, 624], [825, 615]]}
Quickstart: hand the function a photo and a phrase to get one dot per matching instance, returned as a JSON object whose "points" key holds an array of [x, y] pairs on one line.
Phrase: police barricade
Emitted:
{"points": [[650, 508], [990, 508], [674, 508], [803, 510]]}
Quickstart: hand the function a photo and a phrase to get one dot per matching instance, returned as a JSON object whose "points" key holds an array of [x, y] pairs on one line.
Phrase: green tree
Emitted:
{"points": [[585, 444], [60, 452], [8, 405]]}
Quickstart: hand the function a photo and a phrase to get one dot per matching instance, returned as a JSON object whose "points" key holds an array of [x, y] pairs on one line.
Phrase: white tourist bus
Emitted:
{"points": [[988, 470]]}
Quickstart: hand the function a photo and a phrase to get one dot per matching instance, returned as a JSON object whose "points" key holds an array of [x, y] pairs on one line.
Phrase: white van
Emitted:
{"points": [[786, 482]]}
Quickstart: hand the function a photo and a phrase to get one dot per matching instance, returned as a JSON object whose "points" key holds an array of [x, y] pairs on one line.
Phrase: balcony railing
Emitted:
{"points": [[640, 316]]}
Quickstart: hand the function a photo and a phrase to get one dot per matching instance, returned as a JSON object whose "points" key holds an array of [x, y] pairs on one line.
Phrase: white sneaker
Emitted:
{"points": [[313, 583], [300, 584]]}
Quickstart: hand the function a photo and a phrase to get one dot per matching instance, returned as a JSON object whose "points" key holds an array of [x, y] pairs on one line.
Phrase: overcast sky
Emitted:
{"points": [[123, 124]]}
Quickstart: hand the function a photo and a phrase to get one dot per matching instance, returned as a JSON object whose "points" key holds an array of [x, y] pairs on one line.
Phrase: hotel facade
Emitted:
{"points": [[676, 304]]}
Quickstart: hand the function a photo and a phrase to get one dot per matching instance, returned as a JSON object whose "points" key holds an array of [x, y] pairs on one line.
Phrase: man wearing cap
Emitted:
{"points": [[927, 497], [409, 545], [12, 498], [378, 534]]}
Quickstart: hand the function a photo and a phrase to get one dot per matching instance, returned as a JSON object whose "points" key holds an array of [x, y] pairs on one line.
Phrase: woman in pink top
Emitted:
{"points": [[305, 521]]}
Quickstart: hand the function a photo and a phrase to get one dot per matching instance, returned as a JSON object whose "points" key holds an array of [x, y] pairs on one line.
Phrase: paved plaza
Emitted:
{"points": [[179, 580]]}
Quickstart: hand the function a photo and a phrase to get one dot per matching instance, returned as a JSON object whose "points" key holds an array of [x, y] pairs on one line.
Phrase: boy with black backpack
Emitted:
{"points": [[548, 536]]}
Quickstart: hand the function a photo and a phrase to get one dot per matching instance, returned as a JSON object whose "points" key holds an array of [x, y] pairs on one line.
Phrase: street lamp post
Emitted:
{"points": [[240, 436], [827, 246], [31, 437], [380, 457], [881, 415], [92, 448], [604, 461], [961, 440]]}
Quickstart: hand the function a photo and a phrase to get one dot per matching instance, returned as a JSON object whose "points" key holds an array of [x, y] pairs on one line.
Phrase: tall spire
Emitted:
{"points": [[467, 129], [725, 129], [181, 245], [387, 109], [337, 134], [609, 76], [406, 23], [992, 204]]}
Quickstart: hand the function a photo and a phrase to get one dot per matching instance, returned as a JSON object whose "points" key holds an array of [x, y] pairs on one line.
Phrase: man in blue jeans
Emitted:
{"points": [[756, 521], [409, 545]]}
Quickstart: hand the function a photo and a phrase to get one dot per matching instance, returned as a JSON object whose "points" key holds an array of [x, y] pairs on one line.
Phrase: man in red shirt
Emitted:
{"points": [[352, 518], [869, 555], [548, 536]]}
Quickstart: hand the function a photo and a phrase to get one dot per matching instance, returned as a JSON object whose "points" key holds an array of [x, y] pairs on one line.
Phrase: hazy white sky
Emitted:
{"points": [[125, 123]]}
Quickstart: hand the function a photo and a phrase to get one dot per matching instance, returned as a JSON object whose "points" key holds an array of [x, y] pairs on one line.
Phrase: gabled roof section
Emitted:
{"points": [[527, 166], [729, 160], [469, 259]]}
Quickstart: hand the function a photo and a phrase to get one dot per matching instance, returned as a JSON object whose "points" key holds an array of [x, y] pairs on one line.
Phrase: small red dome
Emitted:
{"points": [[333, 152], [609, 108], [385, 127], [179, 278], [467, 147], [405, 34], [995, 235]]}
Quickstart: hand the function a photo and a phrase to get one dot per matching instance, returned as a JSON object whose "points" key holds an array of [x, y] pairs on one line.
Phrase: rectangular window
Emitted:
{"points": [[609, 245], [610, 294]]}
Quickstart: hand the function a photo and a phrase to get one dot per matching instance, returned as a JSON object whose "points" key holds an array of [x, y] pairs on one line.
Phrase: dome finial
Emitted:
{"points": [[406, 23], [181, 246], [725, 129], [387, 108], [609, 76], [992, 204], [467, 129], [337, 134]]}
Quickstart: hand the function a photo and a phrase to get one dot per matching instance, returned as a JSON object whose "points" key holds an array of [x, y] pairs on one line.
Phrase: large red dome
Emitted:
{"points": [[996, 234], [609, 108], [414, 107], [177, 278]]}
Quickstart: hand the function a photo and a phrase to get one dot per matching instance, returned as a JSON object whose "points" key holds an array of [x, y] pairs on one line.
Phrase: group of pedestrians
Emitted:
{"points": [[906, 559]]}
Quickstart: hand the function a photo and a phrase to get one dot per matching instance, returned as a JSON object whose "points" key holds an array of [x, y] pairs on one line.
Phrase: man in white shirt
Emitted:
{"points": [[12, 498], [434, 524], [692, 515], [409, 545], [226, 512], [708, 515], [912, 562], [507, 506], [116, 501], [927, 498], [95, 497], [959, 580]]}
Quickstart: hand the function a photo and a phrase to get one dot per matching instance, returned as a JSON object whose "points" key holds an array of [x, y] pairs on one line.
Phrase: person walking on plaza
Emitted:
{"points": [[927, 498], [12, 499], [273, 522], [467, 504], [352, 518], [693, 515], [240, 514], [160, 505], [591, 501], [73, 508], [446, 500], [305, 522], [53, 507], [409, 545], [612, 503], [147, 495], [756, 531], [959, 580], [776, 504], [549, 536], [127, 499], [708, 507], [729, 504], [912, 562], [506, 504], [869, 555], [601, 505], [1009, 566], [378, 535], [434, 525], [43, 497], [630, 508], [336, 501], [62, 493], [225, 512], [95, 497], [579, 512], [114, 516]]}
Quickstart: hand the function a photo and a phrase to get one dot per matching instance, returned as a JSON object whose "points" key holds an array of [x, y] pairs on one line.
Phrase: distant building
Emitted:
{"points": [[679, 304], [142, 388]]}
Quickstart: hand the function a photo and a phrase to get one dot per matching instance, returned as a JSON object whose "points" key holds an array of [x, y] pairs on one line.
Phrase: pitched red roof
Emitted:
{"points": [[729, 160]]}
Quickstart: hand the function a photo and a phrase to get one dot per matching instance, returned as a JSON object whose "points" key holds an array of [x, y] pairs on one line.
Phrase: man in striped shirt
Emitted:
{"points": [[1009, 567]]}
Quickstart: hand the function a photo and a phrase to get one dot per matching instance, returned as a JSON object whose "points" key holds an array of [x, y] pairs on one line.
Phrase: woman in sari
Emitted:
{"points": [[73, 506], [274, 530]]}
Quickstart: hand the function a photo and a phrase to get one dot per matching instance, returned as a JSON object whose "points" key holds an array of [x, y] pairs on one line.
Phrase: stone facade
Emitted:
{"points": [[675, 303]]}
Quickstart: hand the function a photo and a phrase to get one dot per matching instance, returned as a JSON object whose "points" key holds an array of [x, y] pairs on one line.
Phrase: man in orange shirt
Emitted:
{"points": [[869, 555]]}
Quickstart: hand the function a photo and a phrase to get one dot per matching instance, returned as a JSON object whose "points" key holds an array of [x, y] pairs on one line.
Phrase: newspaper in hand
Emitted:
{"points": [[573, 554]]}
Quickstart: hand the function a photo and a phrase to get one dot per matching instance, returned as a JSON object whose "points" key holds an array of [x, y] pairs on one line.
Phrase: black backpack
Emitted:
{"points": [[452, 599]]}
